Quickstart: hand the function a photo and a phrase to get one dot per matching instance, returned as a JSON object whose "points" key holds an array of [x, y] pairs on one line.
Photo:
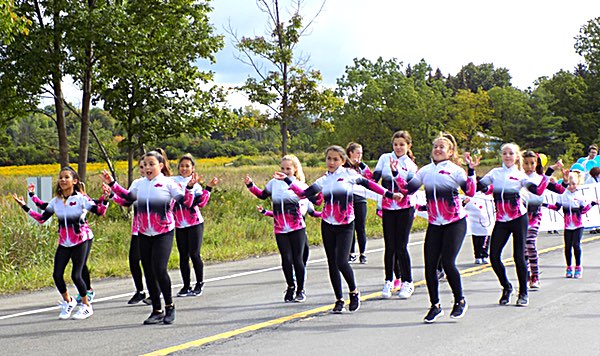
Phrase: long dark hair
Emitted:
{"points": [[78, 187], [406, 136], [161, 157], [539, 169]]}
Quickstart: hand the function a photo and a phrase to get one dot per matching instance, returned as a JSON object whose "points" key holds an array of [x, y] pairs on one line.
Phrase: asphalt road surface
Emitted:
{"points": [[242, 311]]}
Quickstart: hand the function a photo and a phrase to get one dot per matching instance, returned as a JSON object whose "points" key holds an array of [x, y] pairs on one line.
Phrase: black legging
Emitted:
{"points": [[134, 263], [480, 245], [443, 242], [337, 240], [573, 242], [360, 222], [189, 242], [396, 232], [85, 272], [155, 252], [500, 234], [77, 254], [291, 247]]}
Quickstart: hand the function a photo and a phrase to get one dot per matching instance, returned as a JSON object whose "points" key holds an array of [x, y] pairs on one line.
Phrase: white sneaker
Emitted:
{"points": [[66, 308], [386, 292], [406, 290], [84, 312]]}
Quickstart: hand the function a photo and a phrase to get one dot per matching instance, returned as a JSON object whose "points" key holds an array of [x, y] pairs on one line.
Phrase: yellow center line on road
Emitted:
{"points": [[297, 316]]}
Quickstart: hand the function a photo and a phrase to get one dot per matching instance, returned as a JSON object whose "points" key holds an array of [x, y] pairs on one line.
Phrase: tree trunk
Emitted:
{"points": [[61, 125], [84, 137], [283, 128]]}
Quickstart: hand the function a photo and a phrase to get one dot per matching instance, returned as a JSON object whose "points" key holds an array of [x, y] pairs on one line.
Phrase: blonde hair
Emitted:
{"points": [[517, 150], [299, 174], [451, 141], [577, 177]]}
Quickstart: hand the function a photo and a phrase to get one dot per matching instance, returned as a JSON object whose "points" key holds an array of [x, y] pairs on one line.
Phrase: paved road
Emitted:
{"points": [[242, 312]]}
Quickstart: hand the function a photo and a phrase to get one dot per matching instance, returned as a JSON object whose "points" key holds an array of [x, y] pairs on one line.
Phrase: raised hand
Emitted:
{"points": [[213, 182], [19, 199], [193, 180], [557, 165], [247, 180], [259, 208], [472, 161], [106, 177], [31, 188], [393, 165], [279, 175]]}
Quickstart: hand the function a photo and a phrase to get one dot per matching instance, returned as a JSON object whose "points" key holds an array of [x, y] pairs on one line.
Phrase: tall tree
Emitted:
{"points": [[32, 66], [470, 113], [146, 73], [483, 76], [284, 84]]}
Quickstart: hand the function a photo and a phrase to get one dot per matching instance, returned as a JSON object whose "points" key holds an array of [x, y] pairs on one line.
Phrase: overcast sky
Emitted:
{"points": [[531, 38]]}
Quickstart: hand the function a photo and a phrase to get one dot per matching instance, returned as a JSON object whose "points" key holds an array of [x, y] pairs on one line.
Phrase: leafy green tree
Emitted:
{"points": [[146, 75], [380, 99], [10, 22], [284, 84], [470, 113], [475, 77]]}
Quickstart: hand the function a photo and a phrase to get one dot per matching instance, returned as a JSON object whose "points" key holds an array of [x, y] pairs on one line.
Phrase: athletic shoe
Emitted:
{"points": [[147, 301], [155, 318], [434, 312], [505, 298], [478, 261], [362, 259], [289, 294], [459, 309], [578, 272], [354, 302], [185, 291], [534, 282], [137, 297], [397, 283], [569, 273], [339, 307], [523, 300], [300, 297], [386, 292], [406, 290], [352, 258], [84, 312], [66, 308], [484, 260], [198, 289], [169, 314]]}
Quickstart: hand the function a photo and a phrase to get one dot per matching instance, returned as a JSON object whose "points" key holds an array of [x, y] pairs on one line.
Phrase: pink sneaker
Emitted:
{"points": [[396, 283], [578, 272], [569, 273]]}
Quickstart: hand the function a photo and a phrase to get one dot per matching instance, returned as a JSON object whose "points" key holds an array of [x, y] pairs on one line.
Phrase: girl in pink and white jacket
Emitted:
{"points": [[397, 217], [511, 216], [189, 227], [155, 198], [573, 206], [289, 225], [70, 207], [337, 224], [442, 179]]}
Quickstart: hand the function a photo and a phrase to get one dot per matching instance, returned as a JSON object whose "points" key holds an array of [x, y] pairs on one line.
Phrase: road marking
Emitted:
{"points": [[228, 334], [215, 279]]}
